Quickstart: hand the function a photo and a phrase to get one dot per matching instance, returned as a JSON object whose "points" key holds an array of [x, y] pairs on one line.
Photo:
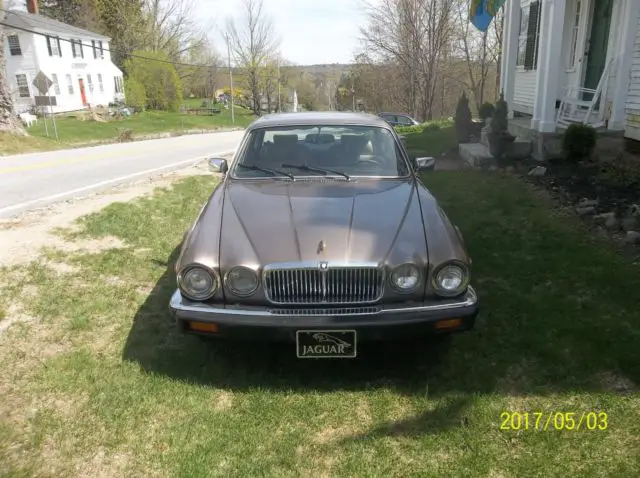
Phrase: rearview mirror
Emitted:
{"points": [[426, 164], [218, 165]]}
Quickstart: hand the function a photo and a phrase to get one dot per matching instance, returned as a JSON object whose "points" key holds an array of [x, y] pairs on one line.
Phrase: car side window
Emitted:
{"points": [[405, 121]]}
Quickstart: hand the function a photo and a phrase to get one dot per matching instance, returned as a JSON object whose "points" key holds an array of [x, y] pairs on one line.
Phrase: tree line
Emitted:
{"points": [[416, 56]]}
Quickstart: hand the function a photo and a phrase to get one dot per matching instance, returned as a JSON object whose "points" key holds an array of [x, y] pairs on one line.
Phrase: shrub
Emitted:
{"points": [[463, 119], [486, 111], [162, 85], [135, 93], [578, 141], [500, 117]]}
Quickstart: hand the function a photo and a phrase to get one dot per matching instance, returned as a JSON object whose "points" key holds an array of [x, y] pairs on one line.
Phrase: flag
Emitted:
{"points": [[481, 12]]}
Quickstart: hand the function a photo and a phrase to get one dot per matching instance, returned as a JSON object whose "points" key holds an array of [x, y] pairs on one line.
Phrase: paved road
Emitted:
{"points": [[30, 181]]}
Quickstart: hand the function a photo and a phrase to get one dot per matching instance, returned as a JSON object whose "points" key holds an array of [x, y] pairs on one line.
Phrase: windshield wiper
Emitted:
{"points": [[273, 172], [325, 171]]}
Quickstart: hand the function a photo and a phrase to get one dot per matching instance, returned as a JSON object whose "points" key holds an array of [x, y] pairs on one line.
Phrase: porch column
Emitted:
{"points": [[510, 51], [629, 12], [549, 65]]}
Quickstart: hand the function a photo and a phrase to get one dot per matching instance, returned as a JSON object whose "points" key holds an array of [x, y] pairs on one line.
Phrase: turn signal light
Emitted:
{"points": [[203, 327], [448, 324]]}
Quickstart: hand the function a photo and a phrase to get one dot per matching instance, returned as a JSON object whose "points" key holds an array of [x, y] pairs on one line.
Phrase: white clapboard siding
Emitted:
{"points": [[632, 129], [525, 90]]}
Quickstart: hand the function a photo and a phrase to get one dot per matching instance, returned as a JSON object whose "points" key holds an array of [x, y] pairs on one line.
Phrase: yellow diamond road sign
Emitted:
{"points": [[42, 83]]}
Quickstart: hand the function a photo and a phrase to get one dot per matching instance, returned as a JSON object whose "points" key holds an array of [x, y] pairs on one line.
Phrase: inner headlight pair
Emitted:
{"points": [[197, 282], [449, 279]]}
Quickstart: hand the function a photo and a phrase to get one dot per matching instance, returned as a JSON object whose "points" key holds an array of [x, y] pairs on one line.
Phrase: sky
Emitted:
{"points": [[311, 31]]}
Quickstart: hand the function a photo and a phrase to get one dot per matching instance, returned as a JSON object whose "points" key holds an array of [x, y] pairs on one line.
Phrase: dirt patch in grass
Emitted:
{"points": [[22, 238]]}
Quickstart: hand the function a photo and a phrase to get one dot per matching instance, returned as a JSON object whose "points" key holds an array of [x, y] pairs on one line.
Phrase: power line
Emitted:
{"points": [[130, 55]]}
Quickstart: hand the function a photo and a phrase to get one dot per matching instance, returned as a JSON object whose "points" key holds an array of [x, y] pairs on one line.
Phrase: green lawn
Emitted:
{"points": [[73, 131], [101, 384], [433, 138]]}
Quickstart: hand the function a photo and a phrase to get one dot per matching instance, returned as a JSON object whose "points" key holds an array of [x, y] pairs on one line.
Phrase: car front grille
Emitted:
{"points": [[333, 285]]}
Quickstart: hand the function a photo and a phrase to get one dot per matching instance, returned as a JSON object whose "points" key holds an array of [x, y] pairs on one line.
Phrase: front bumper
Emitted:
{"points": [[384, 322]]}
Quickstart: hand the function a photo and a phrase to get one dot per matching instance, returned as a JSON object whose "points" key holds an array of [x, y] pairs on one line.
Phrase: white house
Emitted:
{"points": [[77, 61], [573, 61]]}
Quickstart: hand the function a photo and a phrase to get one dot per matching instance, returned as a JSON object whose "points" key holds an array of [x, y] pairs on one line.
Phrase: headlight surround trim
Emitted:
{"points": [[393, 275], [211, 290], [228, 281], [464, 283]]}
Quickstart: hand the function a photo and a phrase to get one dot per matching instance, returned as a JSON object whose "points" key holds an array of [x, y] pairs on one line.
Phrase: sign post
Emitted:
{"points": [[43, 83]]}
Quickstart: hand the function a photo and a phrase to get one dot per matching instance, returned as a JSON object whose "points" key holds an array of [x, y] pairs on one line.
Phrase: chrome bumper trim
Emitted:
{"points": [[178, 304]]}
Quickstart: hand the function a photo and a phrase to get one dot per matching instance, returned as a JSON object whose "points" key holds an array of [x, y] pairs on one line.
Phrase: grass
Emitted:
{"points": [[433, 138], [103, 385], [74, 131]]}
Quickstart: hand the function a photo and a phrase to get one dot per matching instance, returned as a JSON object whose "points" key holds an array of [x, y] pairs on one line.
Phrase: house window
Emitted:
{"points": [[90, 83], [522, 35], [100, 84], [53, 45], [98, 50], [56, 85], [533, 33], [574, 36], [70, 84], [119, 84], [23, 86], [76, 47], [14, 45]]}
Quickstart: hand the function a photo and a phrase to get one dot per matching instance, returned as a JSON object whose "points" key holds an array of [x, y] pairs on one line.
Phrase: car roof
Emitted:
{"points": [[310, 118], [390, 113]]}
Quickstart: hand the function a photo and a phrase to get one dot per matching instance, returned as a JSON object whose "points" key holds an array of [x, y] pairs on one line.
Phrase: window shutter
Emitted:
{"points": [[49, 45], [93, 46], [59, 48], [531, 51], [81, 48]]}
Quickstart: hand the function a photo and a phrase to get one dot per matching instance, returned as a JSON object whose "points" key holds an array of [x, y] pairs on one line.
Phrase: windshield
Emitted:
{"points": [[337, 151]]}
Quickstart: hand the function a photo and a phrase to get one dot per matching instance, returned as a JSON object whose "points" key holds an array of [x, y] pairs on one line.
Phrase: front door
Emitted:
{"points": [[598, 42], [82, 92]]}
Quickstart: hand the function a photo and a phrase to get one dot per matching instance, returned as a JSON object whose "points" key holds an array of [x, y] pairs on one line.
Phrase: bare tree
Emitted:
{"points": [[8, 120], [413, 34], [252, 43], [480, 50], [171, 27]]}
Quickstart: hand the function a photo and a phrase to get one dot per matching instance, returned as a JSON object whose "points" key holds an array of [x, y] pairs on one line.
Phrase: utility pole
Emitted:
{"points": [[279, 110], [353, 94], [233, 116]]}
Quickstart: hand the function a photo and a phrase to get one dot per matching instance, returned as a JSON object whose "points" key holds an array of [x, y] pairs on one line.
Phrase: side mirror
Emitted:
{"points": [[426, 163], [218, 165]]}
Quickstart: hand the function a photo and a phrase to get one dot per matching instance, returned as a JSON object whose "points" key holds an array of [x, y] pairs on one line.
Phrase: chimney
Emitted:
{"points": [[32, 6]]}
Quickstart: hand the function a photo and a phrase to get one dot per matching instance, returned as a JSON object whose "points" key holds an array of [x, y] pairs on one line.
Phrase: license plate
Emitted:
{"points": [[326, 343]]}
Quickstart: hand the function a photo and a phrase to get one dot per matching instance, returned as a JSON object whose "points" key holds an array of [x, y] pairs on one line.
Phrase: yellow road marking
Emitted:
{"points": [[59, 162]]}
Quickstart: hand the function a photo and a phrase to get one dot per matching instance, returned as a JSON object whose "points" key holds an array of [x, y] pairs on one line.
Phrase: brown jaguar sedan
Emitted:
{"points": [[321, 234]]}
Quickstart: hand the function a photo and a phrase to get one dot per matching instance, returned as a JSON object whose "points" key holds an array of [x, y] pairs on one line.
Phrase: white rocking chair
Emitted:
{"points": [[575, 109]]}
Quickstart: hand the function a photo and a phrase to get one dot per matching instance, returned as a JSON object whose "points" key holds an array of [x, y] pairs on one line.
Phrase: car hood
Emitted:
{"points": [[285, 221]]}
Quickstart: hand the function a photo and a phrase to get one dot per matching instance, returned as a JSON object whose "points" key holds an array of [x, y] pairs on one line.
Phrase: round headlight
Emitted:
{"points": [[451, 279], [242, 281], [197, 282], [405, 278]]}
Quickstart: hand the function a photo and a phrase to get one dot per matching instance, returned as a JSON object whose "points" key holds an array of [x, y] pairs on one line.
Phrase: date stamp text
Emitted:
{"points": [[554, 421]]}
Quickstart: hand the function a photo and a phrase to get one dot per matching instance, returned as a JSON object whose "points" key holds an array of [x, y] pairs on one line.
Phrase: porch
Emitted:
{"points": [[567, 61], [548, 144]]}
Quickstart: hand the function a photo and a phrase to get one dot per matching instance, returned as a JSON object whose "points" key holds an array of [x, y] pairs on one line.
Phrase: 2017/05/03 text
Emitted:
{"points": [[547, 421]]}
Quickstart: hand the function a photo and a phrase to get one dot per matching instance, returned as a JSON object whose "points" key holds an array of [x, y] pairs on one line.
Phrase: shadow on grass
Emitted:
{"points": [[159, 347], [544, 329]]}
